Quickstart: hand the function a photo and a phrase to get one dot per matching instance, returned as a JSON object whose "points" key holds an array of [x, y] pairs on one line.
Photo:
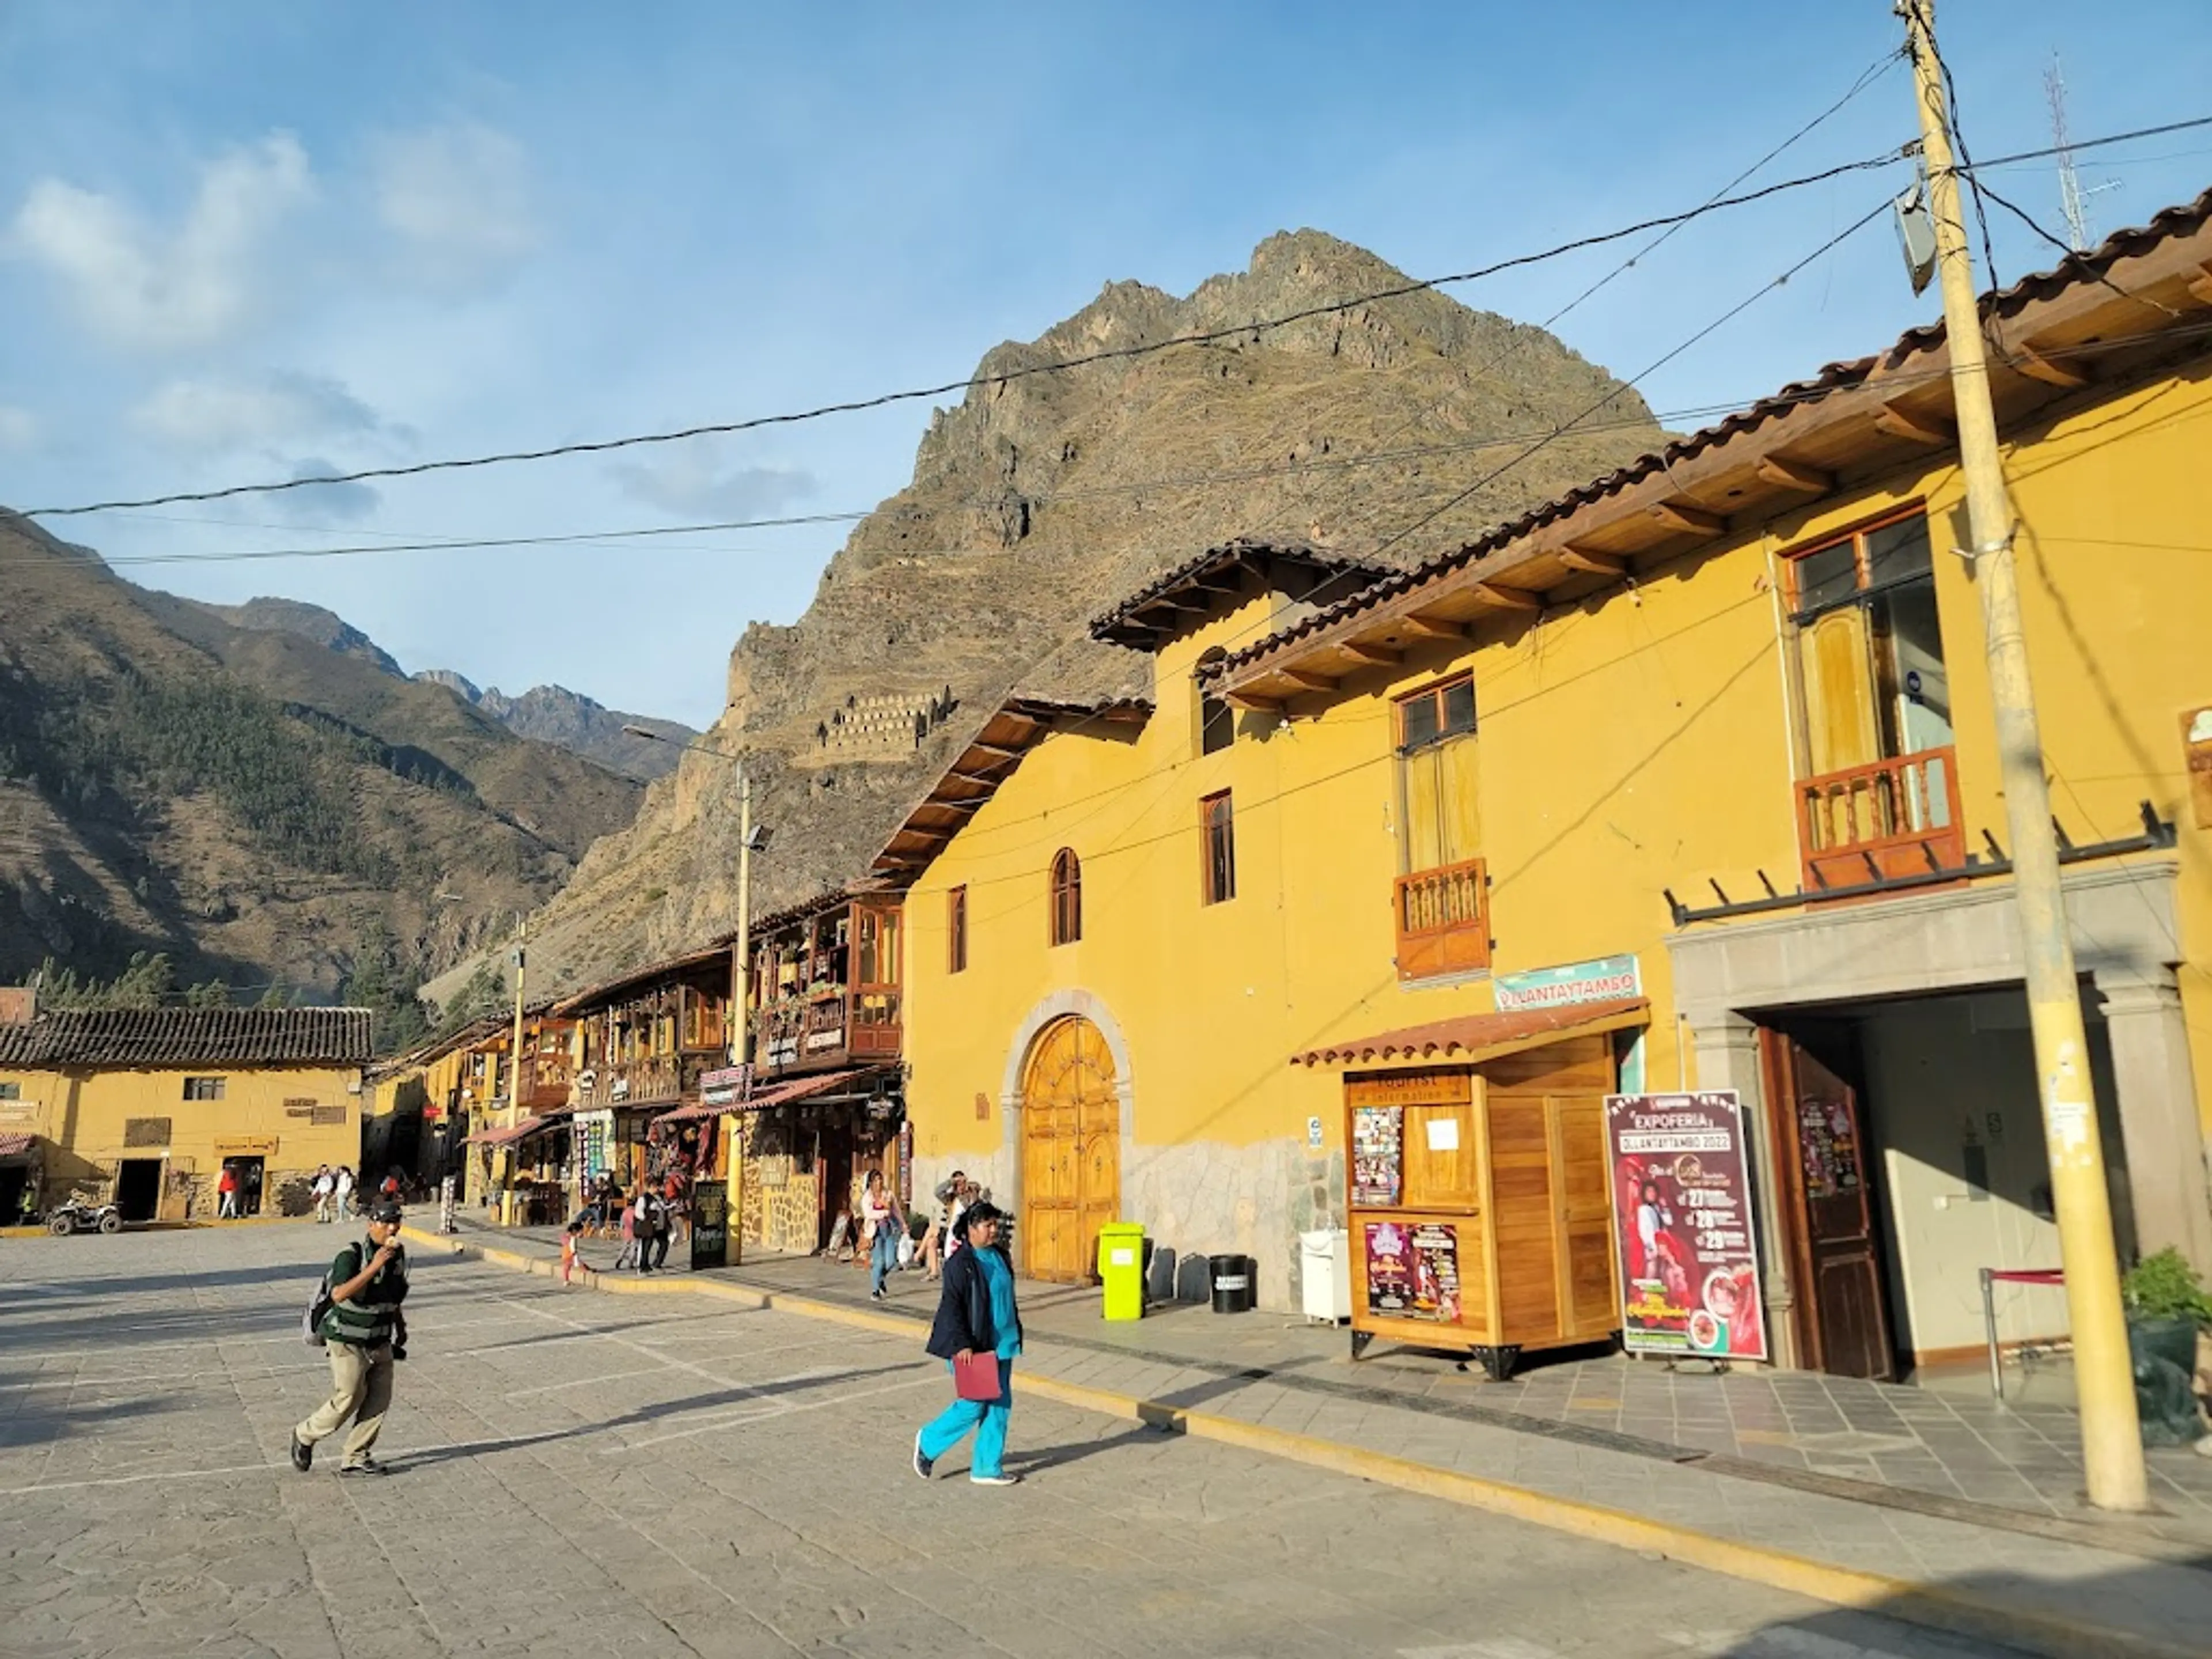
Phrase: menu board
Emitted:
{"points": [[710, 1225], [1681, 1204], [1378, 1134], [1413, 1271]]}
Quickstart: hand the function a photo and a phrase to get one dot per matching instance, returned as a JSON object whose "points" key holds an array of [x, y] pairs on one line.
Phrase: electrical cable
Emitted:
{"points": [[1111, 354]]}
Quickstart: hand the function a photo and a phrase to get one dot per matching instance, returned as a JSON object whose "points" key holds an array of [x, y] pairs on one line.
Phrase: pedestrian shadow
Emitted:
{"points": [[657, 1411], [1036, 1460], [34, 1424]]}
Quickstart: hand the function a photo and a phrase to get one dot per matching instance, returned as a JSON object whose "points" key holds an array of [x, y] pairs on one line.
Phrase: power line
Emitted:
{"points": [[1112, 354]]}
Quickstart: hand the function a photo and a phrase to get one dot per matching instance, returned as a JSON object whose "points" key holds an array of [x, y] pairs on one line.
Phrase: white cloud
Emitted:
{"points": [[19, 427], [138, 284], [688, 480], [281, 408], [459, 199]]}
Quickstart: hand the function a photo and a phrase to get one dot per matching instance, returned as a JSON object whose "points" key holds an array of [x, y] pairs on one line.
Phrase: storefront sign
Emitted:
{"points": [[1606, 980], [595, 1136], [710, 1225], [725, 1087], [1682, 1205], [1378, 1156], [1413, 1271]]}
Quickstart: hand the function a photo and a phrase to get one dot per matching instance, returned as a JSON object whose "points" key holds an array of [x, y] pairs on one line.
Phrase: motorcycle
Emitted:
{"points": [[71, 1216]]}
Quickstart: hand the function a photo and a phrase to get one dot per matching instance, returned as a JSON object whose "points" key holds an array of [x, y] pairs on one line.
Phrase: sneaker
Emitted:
{"points": [[877, 1296], [994, 1481], [922, 1465], [366, 1465], [303, 1455]]}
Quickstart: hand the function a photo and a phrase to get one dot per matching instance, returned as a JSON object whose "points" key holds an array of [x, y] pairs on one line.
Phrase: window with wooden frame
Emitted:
{"points": [[1879, 795], [1218, 833], [11, 1091], [203, 1088], [1067, 897], [1441, 897], [956, 931], [1217, 721]]}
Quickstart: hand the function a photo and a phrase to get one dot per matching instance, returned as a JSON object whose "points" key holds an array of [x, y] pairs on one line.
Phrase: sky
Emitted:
{"points": [[277, 239]]}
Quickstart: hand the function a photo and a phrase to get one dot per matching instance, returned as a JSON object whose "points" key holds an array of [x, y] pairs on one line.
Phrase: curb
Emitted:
{"points": [[1843, 1587]]}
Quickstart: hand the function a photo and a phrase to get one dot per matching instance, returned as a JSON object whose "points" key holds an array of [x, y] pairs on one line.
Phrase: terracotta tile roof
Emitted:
{"points": [[14, 1146], [2077, 272], [1151, 613], [143, 1037], [1471, 1037], [780, 1095]]}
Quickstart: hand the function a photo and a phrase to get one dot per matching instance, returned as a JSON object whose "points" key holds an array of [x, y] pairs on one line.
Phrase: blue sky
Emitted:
{"points": [[273, 237]]}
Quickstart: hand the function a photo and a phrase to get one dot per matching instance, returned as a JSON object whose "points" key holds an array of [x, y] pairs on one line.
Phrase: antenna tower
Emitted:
{"points": [[2070, 185]]}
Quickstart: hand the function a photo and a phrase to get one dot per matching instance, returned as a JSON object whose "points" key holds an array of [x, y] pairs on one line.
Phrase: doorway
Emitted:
{"points": [[1909, 1156], [833, 1180], [138, 1189], [1071, 1150], [14, 1183]]}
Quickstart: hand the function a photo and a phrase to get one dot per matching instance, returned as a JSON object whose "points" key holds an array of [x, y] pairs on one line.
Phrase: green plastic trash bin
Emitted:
{"points": [[1121, 1268]]}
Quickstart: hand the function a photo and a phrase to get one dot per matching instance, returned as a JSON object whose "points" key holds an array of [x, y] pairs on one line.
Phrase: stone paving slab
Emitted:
{"points": [[583, 1473]]}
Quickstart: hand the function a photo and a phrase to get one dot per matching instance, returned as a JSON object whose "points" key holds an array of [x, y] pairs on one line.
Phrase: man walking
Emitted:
{"points": [[365, 1332]]}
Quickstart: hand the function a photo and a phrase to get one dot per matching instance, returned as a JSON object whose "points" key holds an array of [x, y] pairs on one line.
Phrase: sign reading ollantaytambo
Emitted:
{"points": [[1681, 1204]]}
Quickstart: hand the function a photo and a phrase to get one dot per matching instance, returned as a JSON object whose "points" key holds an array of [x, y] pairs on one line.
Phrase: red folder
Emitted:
{"points": [[976, 1377]]}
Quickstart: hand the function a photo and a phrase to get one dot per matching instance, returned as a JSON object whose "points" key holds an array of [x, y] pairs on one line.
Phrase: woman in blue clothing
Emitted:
{"points": [[975, 1315]]}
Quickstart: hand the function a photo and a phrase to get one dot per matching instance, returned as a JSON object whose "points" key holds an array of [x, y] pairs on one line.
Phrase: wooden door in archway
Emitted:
{"points": [[1071, 1151]]}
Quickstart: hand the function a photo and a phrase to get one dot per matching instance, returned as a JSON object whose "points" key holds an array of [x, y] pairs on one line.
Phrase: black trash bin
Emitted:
{"points": [[1232, 1283]]}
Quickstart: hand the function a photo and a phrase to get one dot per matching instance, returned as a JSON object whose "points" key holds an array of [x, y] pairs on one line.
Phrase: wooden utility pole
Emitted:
{"points": [[2104, 1380], [514, 1069]]}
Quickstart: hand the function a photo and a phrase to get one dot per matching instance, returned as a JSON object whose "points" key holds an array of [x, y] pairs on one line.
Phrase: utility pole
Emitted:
{"points": [[741, 1049], [514, 1066], [2112, 1446]]}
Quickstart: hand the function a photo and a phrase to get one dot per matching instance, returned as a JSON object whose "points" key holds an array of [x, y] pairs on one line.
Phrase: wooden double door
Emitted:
{"points": [[1071, 1151]]}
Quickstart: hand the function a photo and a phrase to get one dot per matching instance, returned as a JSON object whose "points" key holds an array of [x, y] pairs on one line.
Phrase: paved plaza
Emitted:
{"points": [[576, 1472]]}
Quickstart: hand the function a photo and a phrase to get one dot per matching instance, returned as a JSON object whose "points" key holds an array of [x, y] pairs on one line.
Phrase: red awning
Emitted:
{"points": [[1474, 1037], [14, 1146], [781, 1094], [504, 1137]]}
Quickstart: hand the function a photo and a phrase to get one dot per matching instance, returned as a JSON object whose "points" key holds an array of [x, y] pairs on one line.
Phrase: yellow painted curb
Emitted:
{"points": [[1819, 1581]]}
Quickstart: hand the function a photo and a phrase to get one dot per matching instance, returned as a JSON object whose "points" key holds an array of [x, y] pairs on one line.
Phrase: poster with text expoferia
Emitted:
{"points": [[1682, 1206]]}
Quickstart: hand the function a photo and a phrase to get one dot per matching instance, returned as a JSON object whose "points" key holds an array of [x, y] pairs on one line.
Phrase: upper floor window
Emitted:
{"points": [[1218, 830], [1067, 897], [1879, 787], [203, 1088], [11, 1091], [1435, 774], [1217, 721], [956, 931]]}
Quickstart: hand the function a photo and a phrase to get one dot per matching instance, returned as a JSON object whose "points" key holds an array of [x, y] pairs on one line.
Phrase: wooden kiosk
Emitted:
{"points": [[1479, 1208]]}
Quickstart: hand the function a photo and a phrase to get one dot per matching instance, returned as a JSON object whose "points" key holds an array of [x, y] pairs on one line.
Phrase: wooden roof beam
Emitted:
{"points": [[1306, 680], [1505, 599], [1609, 565], [1253, 702], [1431, 627], [1931, 430], [1785, 474], [1372, 656], [1690, 520], [993, 751], [2067, 377], [2200, 286]]}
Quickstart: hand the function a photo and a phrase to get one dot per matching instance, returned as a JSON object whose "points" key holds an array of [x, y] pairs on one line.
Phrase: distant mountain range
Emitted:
{"points": [[548, 713], [256, 792]]}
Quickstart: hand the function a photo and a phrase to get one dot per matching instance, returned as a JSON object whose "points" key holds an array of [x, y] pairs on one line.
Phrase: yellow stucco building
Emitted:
{"points": [[144, 1108], [1703, 748]]}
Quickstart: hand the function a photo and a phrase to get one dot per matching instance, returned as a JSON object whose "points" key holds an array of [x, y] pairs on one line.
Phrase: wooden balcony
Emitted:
{"points": [[1443, 920], [662, 1079], [545, 1081], [829, 1029], [1895, 817]]}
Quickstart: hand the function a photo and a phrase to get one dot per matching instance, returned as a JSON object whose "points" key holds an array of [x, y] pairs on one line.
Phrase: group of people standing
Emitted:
{"points": [[334, 1192], [646, 1219]]}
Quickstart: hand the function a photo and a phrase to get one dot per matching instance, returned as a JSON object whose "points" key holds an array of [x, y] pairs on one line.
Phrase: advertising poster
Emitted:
{"points": [[1436, 1273], [1682, 1205], [1390, 1269], [710, 1225], [1378, 1156], [595, 1135]]}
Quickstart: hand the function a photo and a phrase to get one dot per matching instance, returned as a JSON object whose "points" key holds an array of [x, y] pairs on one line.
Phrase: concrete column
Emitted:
{"points": [[1727, 1058], [2157, 1114]]}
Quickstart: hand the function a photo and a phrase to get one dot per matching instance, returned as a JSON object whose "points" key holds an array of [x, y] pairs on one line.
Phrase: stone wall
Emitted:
{"points": [[783, 1218]]}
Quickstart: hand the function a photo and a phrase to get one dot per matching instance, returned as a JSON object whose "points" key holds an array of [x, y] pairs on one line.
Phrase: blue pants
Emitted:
{"points": [[987, 1417], [883, 1256]]}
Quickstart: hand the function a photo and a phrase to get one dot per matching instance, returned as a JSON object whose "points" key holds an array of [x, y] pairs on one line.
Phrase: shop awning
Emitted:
{"points": [[16, 1146], [528, 1125], [1472, 1038], [780, 1094]]}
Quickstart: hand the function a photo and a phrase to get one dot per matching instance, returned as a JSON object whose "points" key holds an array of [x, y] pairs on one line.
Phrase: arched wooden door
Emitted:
{"points": [[1071, 1150]]}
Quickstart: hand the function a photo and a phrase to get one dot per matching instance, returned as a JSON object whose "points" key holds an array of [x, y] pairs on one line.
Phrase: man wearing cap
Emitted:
{"points": [[364, 1332]]}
